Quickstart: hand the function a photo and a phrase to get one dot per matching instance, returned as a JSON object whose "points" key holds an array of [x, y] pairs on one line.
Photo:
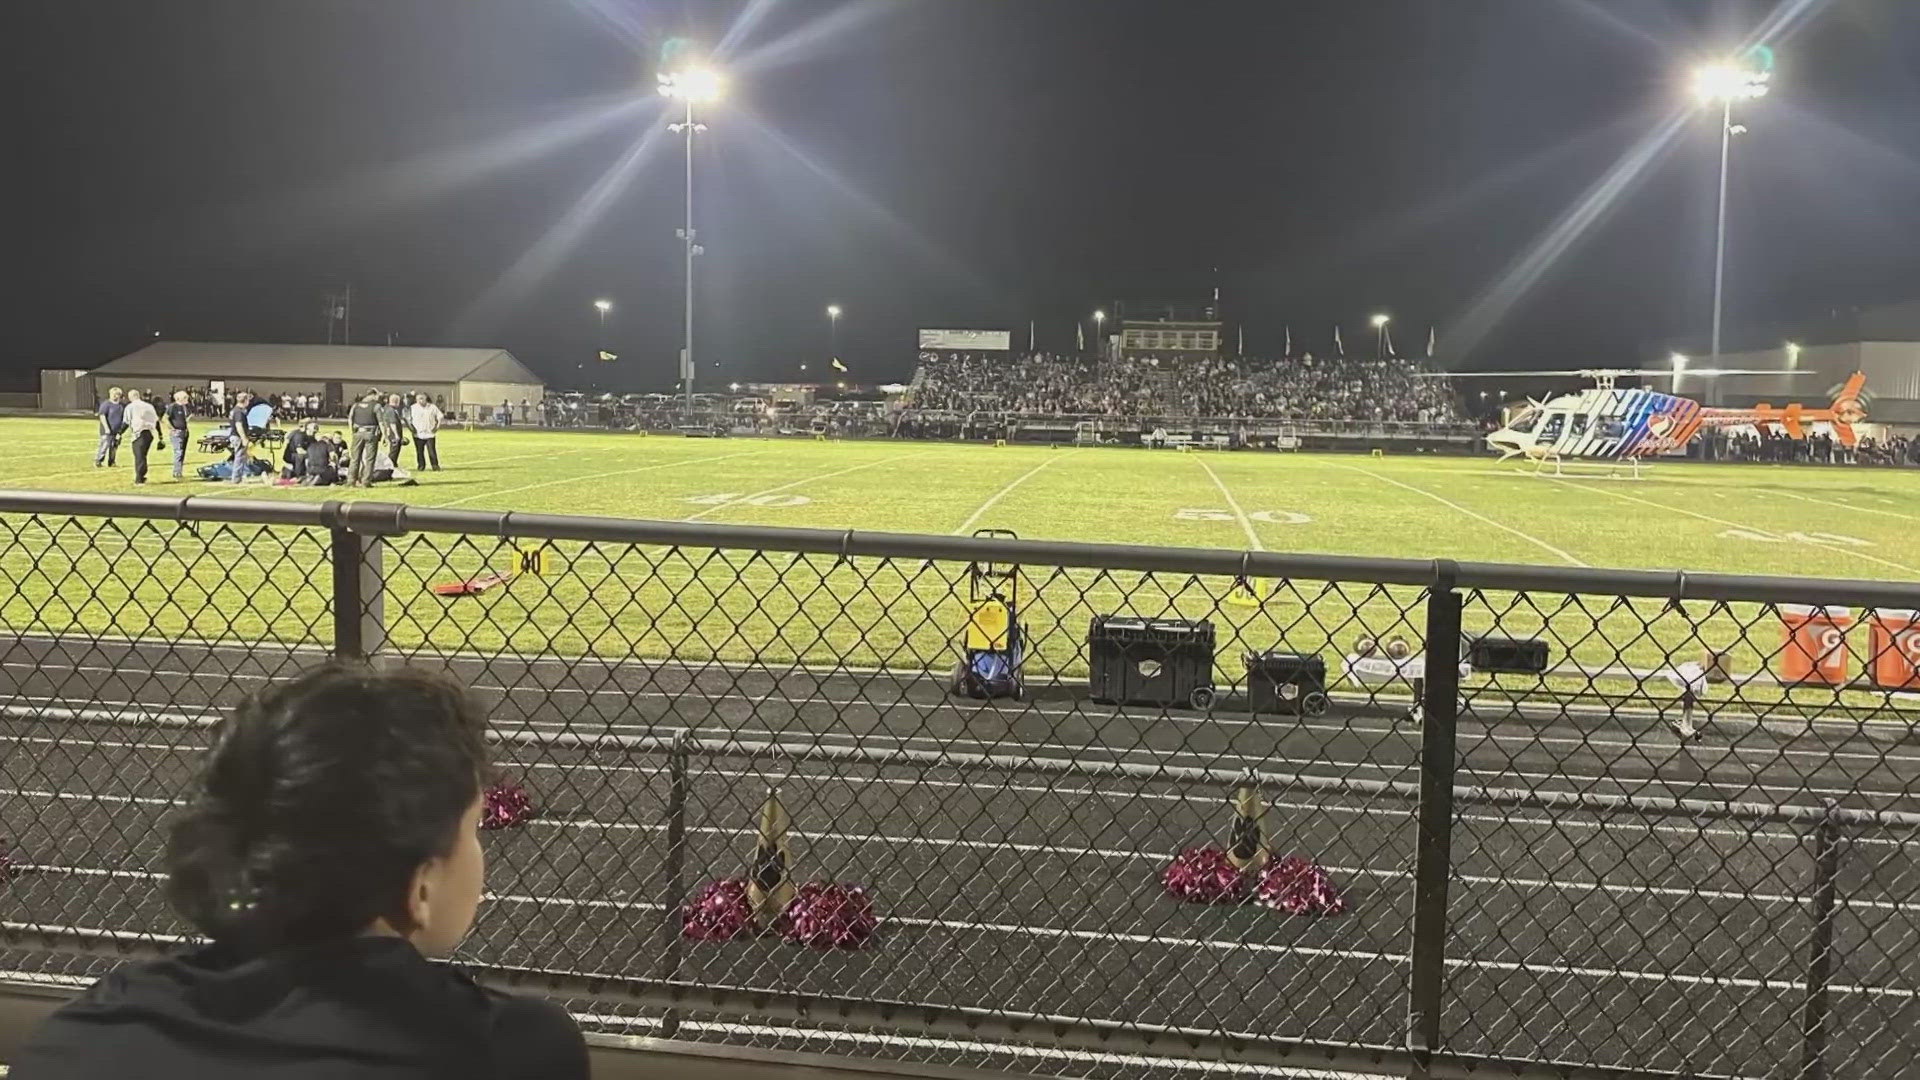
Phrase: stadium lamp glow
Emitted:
{"points": [[1381, 320], [697, 85], [1724, 82], [603, 306]]}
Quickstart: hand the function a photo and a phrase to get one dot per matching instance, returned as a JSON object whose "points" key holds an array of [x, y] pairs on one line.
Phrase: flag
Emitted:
{"points": [[837, 365], [605, 355], [1338, 349], [1080, 336], [1029, 335], [1286, 351], [1430, 341], [1243, 339], [1386, 341]]}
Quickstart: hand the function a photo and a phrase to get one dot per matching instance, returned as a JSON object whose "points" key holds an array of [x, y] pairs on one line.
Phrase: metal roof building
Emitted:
{"points": [[466, 378]]}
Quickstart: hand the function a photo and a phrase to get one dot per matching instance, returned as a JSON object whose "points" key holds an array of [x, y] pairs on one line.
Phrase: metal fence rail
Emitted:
{"points": [[1583, 823]]}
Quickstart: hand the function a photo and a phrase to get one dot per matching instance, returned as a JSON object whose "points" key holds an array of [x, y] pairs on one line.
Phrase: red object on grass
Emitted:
{"points": [[829, 915], [720, 911], [472, 586], [1203, 875], [507, 805], [1299, 887]]}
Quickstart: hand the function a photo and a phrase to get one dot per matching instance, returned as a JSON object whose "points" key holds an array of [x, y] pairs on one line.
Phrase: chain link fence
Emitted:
{"points": [[1069, 809]]}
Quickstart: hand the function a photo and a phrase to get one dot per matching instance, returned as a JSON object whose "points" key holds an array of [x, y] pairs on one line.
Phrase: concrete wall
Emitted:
{"points": [[487, 395]]}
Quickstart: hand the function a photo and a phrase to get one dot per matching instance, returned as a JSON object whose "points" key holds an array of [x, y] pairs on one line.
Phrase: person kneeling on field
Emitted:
{"points": [[322, 467], [295, 454], [331, 846]]}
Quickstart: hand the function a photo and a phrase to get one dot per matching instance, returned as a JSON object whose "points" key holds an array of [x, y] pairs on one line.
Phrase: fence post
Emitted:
{"points": [[1813, 1014], [673, 888], [1433, 853], [347, 569]]}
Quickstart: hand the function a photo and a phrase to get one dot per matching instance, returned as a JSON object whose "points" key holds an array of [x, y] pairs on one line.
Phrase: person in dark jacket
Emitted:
{"points": [[331, 846]]}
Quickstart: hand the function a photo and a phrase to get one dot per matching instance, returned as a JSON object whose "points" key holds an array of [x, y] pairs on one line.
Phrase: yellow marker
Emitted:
{"points": [[1250, 592], [532, 561], [1377, 452], [768, 886], [999, 442]]}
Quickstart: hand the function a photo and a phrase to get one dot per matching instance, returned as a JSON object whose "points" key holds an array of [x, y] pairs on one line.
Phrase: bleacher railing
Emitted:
{"points": [[1528, 821]]}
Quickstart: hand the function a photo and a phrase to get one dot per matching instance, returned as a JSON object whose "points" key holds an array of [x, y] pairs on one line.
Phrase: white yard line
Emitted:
{"points": [[594, 477], [967, 525], [1806, 540], [1837, 504], [1476, 515], [803, 480], [1246, 525]]}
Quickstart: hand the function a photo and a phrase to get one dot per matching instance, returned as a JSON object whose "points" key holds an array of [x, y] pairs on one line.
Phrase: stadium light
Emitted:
{"points": [[735, 387], [699, 85], [1722, 83], [1793, 355], [695, 85], [603, 306], [1381, 320], [833, 311]]}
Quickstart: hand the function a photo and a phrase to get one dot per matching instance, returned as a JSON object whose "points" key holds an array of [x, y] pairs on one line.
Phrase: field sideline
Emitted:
{"points": [[1797, 520]]}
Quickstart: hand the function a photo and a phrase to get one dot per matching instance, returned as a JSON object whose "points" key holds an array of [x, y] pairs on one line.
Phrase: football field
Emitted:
{"points": [[1790, 520]]}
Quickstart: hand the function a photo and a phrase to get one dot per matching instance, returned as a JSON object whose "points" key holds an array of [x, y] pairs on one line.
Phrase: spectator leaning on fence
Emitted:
{"points": [[331, 846]]}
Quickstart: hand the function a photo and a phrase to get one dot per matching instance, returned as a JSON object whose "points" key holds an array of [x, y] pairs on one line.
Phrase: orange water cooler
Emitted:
{"points": [[1894, 656], [1816, 647]]}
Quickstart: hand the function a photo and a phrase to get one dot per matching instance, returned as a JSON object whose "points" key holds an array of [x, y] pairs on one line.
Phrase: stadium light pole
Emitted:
{"points": [[1099, 331], [1722, 84], [833, 332], [602, 306], [696, 85], [1380, 322]]}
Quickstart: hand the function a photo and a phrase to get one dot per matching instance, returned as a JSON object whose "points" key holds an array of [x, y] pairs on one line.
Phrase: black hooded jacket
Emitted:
{"points": [[370, 1008]]}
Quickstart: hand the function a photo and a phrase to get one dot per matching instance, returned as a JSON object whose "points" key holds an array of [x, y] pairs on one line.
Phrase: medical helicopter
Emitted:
{"points": [[1624, 427]]}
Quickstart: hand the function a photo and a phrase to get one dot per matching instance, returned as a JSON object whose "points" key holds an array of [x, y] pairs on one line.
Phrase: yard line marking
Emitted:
{"points": [[1470, 513], [804, 480], [595, 477], [65, 474], [1489, 731], [1116, 755], [1831, 503], [1003, 492], [1807, 540], [1246, 526]]}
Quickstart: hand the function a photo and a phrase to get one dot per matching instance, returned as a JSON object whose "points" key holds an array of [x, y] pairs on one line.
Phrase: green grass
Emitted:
{"points": [[697, 603]]}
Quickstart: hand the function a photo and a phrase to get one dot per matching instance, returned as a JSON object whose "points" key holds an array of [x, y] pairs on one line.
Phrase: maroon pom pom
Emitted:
{"points": [[828, 915], [1299, 887], [1203, 875], [720, 911], [508, 805]]}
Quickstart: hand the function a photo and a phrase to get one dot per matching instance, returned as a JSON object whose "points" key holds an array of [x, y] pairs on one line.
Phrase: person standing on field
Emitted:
{"points": [[237, 420], [426, 417], [140, 418], [177, 416], [364, 419], [112, 413]]}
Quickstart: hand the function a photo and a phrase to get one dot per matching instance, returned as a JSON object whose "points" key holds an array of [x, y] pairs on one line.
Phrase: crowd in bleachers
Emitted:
{"points": [[1818, 448], [1295, 388]]}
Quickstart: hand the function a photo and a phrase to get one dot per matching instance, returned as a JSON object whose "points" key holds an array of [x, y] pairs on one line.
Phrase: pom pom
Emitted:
{"points": [[719, 912], [1298, 887], [1203, 875], [507, 805], [828, 915]]}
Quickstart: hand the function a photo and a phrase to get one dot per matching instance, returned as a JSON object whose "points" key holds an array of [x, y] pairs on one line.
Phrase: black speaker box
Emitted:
{"points": [[1141, 661]]}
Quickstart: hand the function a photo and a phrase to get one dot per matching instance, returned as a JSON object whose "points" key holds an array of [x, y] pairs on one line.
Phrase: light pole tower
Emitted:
{"points": [[1380, 322], [697, 85], [833, 333], [1723, 84]]}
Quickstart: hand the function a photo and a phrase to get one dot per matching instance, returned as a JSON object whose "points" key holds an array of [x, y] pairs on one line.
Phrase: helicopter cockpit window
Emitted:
{"points": [[1525, 421], [1611, 427], [1579, 424], [1551, 429]]}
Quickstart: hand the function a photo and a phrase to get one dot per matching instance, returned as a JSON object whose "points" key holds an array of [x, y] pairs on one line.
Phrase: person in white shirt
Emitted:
{"points": [[426, 417], [141, 419]]}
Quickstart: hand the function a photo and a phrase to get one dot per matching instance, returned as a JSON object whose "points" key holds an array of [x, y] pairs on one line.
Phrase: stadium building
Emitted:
{"points": [[1883, 342], [467, 378]]}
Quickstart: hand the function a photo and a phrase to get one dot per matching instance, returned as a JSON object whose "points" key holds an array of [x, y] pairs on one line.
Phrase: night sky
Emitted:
{"points": [[482, 170]]}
